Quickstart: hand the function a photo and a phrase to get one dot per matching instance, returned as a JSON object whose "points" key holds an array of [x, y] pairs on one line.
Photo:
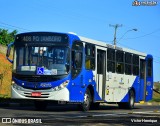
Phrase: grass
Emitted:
{"points": [[4, 96], [5, 81], [156, 97], [155, 100]]}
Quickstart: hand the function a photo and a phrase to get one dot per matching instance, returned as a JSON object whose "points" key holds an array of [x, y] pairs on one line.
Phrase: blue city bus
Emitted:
{"points": [[65, 67]]}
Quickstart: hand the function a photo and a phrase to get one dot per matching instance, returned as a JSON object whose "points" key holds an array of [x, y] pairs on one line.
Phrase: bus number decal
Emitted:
{"points": [[27, 38]]}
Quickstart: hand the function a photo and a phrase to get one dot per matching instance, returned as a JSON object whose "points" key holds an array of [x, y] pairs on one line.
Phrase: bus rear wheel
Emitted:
{"points": [[40, 105], [85, 106], [130, 103]]}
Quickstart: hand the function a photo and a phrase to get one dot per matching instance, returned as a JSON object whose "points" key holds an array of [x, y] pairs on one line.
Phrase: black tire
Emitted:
{"points": [[85, 106], [130, 103], [40, 105]]}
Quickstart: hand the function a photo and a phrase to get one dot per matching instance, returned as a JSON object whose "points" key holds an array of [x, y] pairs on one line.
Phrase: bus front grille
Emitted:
{"points": [[43, 95]]}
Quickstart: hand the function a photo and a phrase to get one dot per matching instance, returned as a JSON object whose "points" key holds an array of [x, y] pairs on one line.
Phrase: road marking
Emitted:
{"points": [[111, 114], [148, 112], [118, 114], [121, 115]]}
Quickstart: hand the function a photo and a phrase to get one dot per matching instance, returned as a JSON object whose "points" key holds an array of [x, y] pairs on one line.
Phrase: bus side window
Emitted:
{"points": [[120, 62], [135, 64], [111, 60], [90, 56], [128, 63], [77, 53]]}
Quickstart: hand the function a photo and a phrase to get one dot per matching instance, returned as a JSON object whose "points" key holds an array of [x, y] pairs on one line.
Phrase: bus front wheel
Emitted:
{"points": [[85, 106]]}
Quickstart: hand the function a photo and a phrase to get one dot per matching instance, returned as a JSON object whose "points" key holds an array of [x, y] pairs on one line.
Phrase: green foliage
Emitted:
{"points": [[157, 86], [155, 100], [6, 37], [4, 96]]}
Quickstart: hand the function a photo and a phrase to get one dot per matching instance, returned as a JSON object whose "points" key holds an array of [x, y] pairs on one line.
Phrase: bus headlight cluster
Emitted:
{"points": [[13, 82], [61, 86], [17, 87]]}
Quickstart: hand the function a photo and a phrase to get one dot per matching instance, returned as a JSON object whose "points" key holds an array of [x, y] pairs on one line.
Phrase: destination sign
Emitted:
{"points": [[41, 37]]}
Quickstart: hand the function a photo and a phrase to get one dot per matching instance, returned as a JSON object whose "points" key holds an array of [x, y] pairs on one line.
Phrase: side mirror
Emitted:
{"points": [[8, 52]]}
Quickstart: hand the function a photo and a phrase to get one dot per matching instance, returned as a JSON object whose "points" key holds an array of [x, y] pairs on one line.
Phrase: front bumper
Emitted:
{"points": [[48, 94]]}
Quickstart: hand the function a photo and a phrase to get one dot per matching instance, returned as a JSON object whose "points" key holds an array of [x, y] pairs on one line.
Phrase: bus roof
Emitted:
{"points": [[88, 40], [104, 44]]}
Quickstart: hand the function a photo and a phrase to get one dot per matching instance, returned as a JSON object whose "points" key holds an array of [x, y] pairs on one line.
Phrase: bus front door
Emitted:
{"points": [[101, 72]]}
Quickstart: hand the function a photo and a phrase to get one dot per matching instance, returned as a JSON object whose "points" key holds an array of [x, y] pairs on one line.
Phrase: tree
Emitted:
{"points": [[6, 37]]}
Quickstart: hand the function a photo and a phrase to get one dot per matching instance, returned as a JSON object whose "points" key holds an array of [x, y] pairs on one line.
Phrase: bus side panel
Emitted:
{"points": [[141, 90], [89, 79], [149, 89], [96, 96], [126, 98], [80, 84], [76, 92], [136, 87]]}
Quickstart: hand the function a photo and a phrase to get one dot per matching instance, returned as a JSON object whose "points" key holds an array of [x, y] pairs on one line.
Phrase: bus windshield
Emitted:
{"points": [[40, 60]]}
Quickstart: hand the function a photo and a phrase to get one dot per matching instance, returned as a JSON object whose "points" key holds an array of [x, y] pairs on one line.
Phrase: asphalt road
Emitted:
{"points": [[70, 115]]}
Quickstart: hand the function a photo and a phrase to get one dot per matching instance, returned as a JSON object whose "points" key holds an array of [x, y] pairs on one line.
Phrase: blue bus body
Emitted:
{"points": [[105, 83]]}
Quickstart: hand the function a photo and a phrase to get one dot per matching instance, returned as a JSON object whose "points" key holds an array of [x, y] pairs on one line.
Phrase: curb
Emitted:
{"points": [[148, 103], [144, 103]]}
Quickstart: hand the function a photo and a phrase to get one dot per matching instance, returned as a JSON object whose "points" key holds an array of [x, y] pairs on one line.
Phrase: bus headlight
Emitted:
{"points": [[61, 86], [17, 87], [13, 82]]}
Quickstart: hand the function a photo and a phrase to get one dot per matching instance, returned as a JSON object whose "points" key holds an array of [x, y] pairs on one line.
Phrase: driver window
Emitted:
{"points": [[77, 54]]}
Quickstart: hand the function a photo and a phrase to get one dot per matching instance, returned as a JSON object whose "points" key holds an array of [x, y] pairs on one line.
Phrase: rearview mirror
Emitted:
{"points": [[8, 52]]}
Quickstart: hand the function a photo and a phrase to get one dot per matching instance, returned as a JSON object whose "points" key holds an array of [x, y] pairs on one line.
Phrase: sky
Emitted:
{"points": [[91, 19]]}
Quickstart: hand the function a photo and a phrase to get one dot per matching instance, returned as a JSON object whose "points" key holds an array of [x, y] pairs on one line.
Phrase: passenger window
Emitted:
{"points": [[128, 63], [111, 60], [90, 56], [120, 62], [135, 64]]}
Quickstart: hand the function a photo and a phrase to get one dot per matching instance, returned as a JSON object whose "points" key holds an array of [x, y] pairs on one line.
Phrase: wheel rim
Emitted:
{"points": [[132, 100], [86, 100]]}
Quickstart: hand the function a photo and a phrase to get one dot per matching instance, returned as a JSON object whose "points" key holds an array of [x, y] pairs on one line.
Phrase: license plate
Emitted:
{"points": [[36, 94]]}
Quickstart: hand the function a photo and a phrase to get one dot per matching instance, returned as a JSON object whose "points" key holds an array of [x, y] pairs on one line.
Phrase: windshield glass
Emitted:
{"points": [[40, 60]]}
